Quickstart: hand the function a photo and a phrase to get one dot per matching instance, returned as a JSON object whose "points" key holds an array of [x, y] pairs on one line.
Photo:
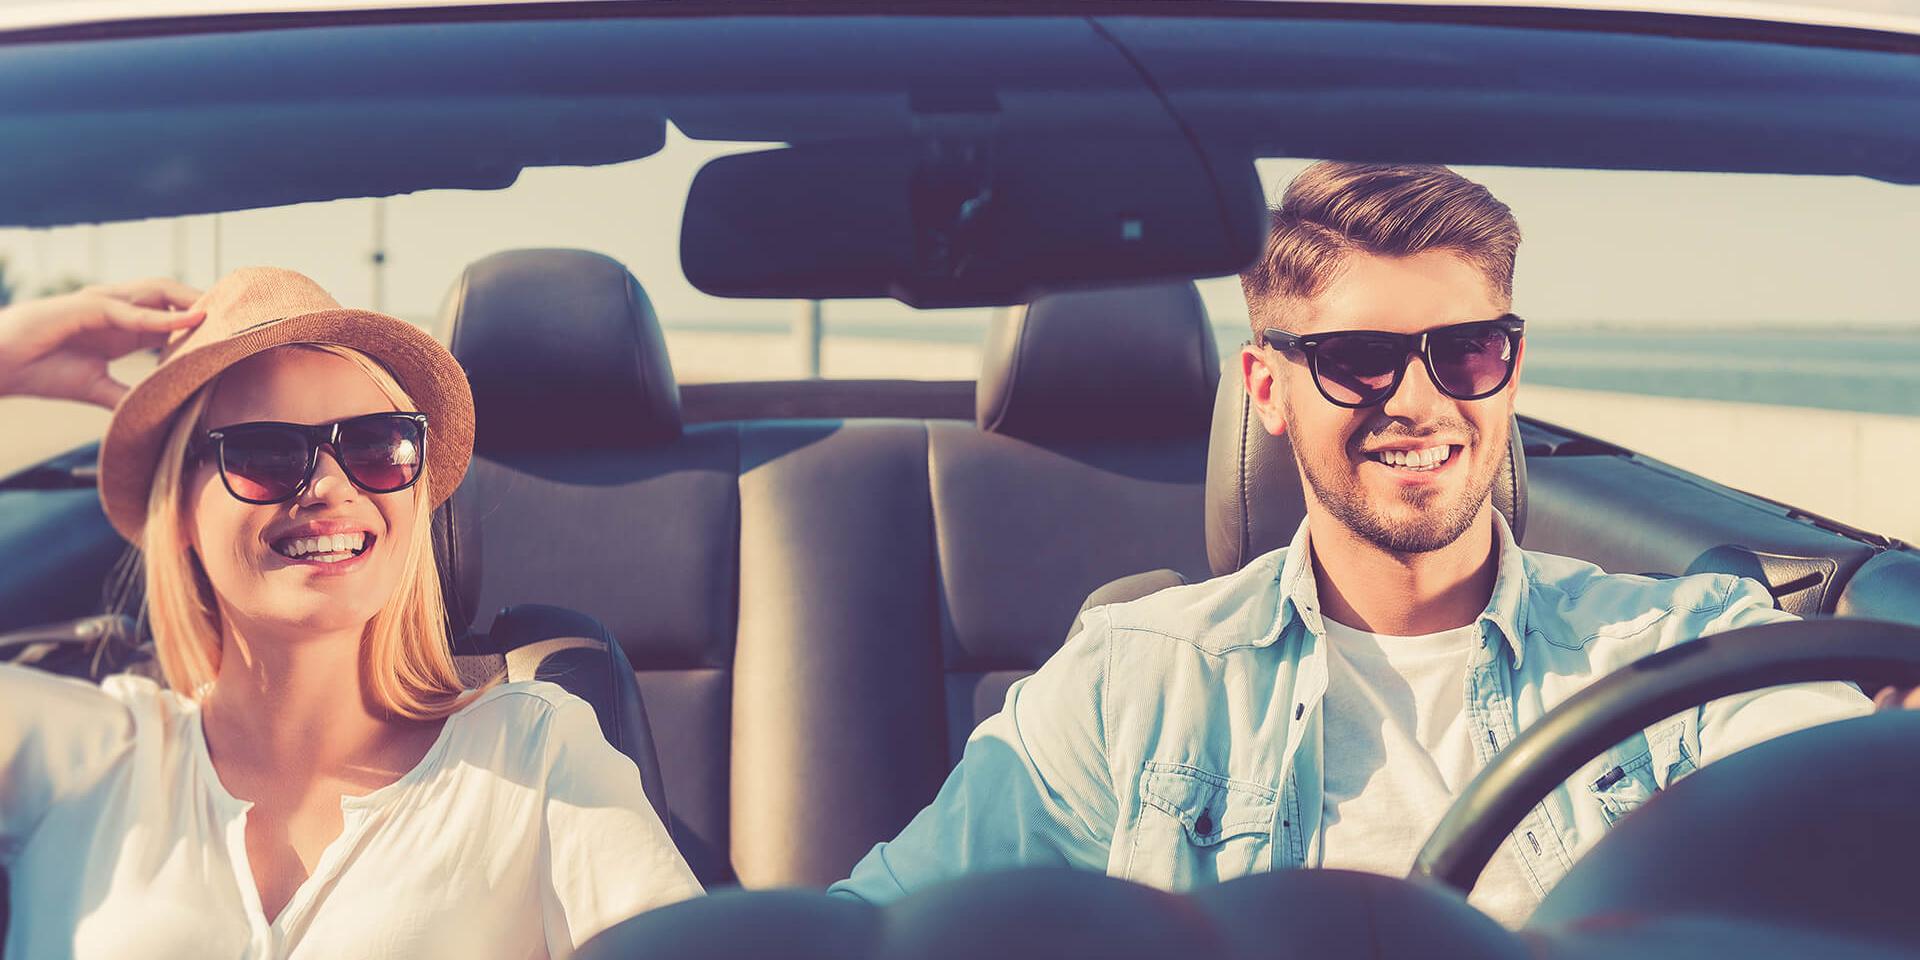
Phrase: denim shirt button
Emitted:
{"points": [[1204, 825]]}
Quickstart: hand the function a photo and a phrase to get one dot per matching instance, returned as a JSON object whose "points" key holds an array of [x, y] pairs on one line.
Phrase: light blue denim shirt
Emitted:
{"points": [[1176, 740]]}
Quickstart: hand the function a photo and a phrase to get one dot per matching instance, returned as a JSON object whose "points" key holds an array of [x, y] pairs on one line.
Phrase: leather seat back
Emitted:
{"points": [[592, 496], [1085, 462], [837, 721]]}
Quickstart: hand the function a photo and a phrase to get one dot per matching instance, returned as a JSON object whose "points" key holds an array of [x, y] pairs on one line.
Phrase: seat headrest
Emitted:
{"points": [[457, 553], [564, 353], [1254, 500], [1126, 363]]}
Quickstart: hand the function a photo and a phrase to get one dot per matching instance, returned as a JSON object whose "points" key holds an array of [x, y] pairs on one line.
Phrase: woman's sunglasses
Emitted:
{"points": [[268, 462], [1362, 368]]}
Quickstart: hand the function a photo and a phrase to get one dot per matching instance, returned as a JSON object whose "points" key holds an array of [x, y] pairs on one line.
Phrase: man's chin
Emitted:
{"points": [[1399, 516], [1426, 536], [1417, 521]]}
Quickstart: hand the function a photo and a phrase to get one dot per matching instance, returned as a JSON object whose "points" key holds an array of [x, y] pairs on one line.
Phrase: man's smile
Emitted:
{"points": [[1414, 460], [1420, 458]]}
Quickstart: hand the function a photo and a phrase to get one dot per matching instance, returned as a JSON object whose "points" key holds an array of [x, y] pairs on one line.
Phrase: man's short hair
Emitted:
{"points": [[1334, 208]]}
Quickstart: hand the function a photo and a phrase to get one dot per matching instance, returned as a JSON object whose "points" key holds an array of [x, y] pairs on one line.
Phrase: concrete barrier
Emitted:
{"points": [[1859, 468]]}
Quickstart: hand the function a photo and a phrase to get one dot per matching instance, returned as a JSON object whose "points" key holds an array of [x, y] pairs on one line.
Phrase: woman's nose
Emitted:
{"points": [[330, 483]]}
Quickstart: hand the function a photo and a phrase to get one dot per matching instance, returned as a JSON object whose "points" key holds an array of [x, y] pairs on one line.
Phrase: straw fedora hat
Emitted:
{"points": [[254, 309]]}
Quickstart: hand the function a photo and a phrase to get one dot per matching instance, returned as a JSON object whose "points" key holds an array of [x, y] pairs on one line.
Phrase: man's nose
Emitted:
{"points": [[1418, 398]]}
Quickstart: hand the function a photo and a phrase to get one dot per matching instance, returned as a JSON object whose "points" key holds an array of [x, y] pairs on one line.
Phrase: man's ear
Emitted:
{"points": [[1263, 390]]}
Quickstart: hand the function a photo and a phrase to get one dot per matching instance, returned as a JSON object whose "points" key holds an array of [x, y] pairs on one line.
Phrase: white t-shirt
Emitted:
{"points": [[1398, 750], [521, 833]]}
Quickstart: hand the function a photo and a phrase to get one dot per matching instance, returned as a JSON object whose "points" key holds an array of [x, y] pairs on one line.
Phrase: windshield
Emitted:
{"points": [[1762, 329]]}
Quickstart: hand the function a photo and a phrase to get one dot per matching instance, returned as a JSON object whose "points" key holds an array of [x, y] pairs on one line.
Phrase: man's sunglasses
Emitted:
{"points": [[269, 462], [1362, 368]]}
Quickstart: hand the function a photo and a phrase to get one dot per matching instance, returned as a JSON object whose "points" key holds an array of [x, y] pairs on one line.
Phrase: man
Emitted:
{"points": [[1324, 705]]}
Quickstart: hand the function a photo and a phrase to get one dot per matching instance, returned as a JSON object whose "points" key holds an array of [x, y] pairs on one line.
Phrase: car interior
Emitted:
{"points": [[820, 605], [790, 601]]}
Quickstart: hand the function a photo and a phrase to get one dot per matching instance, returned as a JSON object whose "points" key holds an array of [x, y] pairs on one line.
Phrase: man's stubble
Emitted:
{"points": [[1435, 527]]}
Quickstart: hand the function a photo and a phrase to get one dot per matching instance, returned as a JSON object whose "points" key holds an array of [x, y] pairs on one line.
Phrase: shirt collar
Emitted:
{"points": [[1300, 597], [1299, 593], [1508, 603]]}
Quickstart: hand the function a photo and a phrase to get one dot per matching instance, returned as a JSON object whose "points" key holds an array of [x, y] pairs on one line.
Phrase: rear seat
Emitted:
{"points": [[819, 611]]}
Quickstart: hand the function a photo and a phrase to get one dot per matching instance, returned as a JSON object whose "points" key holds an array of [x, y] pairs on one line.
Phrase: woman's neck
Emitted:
{"points": [[282, 694]]}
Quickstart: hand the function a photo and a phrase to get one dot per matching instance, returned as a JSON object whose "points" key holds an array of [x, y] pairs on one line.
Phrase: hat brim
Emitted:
{"points": [[431, 376]]}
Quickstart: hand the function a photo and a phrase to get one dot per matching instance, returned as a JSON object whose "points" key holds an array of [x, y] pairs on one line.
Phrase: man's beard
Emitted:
{"points": [[1436, 525]]}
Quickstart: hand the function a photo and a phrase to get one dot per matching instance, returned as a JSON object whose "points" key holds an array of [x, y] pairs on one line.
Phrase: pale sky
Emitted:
{"points": [[1708, 250]]}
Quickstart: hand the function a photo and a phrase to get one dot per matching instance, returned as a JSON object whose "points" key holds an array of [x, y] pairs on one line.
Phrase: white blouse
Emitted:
{"points": [[521, 833]]}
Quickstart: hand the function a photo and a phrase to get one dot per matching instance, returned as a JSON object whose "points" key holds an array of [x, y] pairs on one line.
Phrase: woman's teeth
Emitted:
{"points": [[1427, 459], [331, 549]]}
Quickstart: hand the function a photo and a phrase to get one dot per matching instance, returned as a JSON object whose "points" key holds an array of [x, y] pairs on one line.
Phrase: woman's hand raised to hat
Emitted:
{"points": [[59, 346]]}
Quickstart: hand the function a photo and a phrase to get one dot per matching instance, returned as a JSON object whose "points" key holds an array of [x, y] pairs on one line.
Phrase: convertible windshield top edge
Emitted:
{"points": [[1708, 20]]}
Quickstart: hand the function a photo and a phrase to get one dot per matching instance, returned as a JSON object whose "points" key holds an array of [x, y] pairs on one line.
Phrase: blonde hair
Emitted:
{"points": [[1335, 208], [406, 656]]}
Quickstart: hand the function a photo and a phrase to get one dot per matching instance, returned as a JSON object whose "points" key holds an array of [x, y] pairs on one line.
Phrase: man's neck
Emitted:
{"points": [[1370, 588]]}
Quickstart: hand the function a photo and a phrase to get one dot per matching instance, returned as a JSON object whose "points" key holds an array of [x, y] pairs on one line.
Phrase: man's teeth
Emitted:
{"points": [[339, 546], [1425, 459]]}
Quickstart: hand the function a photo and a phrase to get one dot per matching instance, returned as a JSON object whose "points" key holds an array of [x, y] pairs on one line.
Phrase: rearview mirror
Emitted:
{"points": [[940, 223]]}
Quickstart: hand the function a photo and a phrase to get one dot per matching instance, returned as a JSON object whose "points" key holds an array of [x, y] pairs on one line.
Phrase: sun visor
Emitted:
{"points": [[197, 160], [963, 218]]}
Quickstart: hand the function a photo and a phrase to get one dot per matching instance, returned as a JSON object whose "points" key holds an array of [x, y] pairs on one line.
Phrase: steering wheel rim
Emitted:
{"points": [[1643, 693]]}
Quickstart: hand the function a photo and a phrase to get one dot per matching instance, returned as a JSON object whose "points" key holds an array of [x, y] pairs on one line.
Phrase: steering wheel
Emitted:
{"points": [[1644, 693]]}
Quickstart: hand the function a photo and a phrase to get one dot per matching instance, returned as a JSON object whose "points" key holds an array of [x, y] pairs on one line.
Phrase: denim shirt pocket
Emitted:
{"points": [[1625, 784], [1673, 759], [1198, 827]]}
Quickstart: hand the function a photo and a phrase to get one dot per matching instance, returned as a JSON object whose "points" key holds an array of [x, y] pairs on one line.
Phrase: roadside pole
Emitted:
{"points": [[379, 258], [807, 331]]}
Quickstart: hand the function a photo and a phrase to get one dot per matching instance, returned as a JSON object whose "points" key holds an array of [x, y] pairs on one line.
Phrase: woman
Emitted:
{"points": [[312, 781]]}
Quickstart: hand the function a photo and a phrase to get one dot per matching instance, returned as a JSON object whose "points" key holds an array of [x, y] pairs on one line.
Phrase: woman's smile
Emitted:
{"points": [[322, 547]]}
